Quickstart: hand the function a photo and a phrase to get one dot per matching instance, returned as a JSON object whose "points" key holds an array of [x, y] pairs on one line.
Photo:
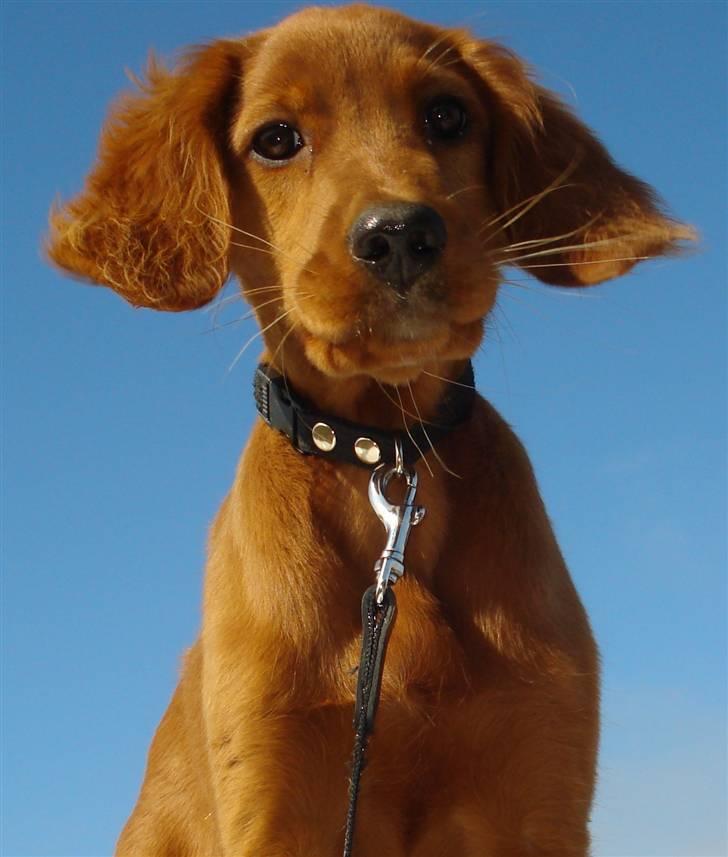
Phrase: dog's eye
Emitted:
{"points": [[278, 141], [445, 119]]}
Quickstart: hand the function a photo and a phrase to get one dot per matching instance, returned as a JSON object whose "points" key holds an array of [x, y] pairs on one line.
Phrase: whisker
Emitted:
{"points": [[585, 262], [537, 242], [271, 253], [259, 289], [215, 308], [224, 324], [508, 212], [256, 238], [279, 350], [432, 47], [525, 306], [498, 308], [252, 312], [411, 437], [427, 436], [252, 247], [256, 335], [601, 242], [434, 62], [561, 291], [238, 229], [449, 63], [448, 380], [220, 302], [238, 296], [439, 58], [396, 403], [465, 189], [283, 360], [526, 205]]}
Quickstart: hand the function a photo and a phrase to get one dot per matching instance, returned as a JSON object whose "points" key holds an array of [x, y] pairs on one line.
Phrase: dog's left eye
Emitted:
{"points": [[445, 118], [278, 141]]}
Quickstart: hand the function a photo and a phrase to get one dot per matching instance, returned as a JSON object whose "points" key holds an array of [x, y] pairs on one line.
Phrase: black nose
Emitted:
{"points": [[398, 242]]}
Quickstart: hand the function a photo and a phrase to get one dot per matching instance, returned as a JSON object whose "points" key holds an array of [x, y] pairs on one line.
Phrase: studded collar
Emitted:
{"points": [[312, 432]]}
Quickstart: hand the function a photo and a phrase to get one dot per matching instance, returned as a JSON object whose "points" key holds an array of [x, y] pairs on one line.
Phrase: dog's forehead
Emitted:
{"points": [[312, 55]]}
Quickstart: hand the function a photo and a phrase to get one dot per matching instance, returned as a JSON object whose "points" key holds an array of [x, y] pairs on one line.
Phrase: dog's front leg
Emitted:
{"points": [[273, 774], [281, 786]]}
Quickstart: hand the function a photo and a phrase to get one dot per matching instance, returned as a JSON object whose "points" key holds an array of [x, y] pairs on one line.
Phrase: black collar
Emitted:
{"points": [[314, 433]]}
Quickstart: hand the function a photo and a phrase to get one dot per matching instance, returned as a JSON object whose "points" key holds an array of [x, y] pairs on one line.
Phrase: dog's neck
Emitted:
{"points": [[364, 399]]}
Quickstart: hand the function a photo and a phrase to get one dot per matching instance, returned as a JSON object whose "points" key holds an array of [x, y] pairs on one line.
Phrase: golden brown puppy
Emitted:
{"points": [[290, 158]]}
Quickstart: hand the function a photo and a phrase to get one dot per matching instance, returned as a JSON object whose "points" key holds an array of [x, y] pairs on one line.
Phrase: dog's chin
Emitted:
{"points": [[391, 359]]}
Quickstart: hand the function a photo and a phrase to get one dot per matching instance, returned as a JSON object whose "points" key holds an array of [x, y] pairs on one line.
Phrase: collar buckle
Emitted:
{"points": [[274, 403]]}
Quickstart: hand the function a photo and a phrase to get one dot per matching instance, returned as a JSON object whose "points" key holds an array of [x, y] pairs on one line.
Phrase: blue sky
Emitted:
{"points": [[122, 428]]}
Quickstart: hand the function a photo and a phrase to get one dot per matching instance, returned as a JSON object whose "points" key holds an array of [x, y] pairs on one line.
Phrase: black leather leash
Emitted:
{"points": [[378, 609], [377, 622]]}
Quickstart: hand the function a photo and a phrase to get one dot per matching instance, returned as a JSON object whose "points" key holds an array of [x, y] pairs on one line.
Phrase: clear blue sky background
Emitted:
{"points": [[123, 427]]}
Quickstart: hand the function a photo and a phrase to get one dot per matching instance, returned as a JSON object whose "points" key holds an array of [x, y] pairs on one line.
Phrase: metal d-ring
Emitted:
{"points": [[399, 457]]}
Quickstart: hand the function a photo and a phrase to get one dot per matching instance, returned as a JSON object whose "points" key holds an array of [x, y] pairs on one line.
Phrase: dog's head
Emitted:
{"points": [[366, 176]]}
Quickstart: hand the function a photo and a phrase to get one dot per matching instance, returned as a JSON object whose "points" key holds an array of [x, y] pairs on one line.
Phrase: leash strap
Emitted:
{"points": [[377, 622]]}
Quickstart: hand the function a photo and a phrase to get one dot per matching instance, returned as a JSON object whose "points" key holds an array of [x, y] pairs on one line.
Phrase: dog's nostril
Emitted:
{"points": [[398, 242], [421, 244], [374, 248]]}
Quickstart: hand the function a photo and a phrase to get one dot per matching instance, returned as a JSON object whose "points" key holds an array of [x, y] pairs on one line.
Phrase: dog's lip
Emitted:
{"points": [[383, 341], [380, 327], [357, 352], [390, 363], [401, 332]]}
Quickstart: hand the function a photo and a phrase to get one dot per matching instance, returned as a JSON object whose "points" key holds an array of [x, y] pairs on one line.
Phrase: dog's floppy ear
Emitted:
{"points": [[568, 213], [151, 221]]}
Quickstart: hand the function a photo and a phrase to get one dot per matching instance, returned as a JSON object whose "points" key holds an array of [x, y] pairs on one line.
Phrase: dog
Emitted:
{"points": [[366, 177]]}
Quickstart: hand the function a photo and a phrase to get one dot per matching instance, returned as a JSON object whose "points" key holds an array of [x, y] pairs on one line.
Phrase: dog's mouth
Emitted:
{"points": [[394, 350]]}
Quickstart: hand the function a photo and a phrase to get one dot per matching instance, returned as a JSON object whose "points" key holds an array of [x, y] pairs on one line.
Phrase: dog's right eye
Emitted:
{"points": [[445, 119], [278, 141]]}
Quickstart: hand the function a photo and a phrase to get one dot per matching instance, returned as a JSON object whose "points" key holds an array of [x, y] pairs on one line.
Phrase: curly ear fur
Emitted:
{"points": [[150, 222], [570, 215]]}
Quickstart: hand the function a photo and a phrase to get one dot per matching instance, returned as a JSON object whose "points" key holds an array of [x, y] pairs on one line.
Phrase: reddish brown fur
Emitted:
{"points": [[487, 733]]}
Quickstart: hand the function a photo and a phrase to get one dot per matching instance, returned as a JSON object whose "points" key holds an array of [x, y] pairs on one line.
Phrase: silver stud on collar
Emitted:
{"points": [[324, 437], [367, 450]]}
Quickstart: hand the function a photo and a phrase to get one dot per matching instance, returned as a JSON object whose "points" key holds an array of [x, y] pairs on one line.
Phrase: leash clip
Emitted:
{"points": [[397, 520]]}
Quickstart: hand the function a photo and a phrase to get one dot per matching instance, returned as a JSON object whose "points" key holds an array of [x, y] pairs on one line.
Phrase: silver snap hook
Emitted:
{"points": [[398, 519]]}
